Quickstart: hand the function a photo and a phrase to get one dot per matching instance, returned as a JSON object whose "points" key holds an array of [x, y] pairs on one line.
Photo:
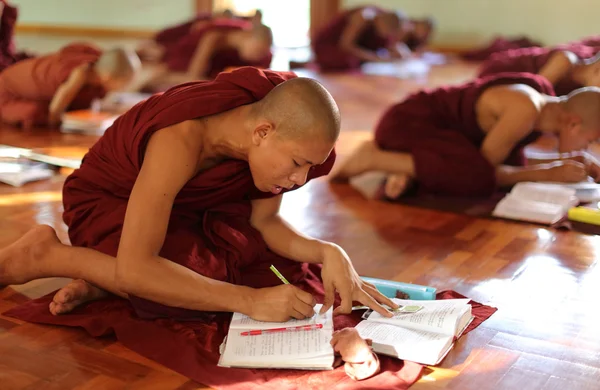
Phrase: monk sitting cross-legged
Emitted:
{"points": [[177, 204], [566, 67], [467, 140], [37, 91], [365, 34]]}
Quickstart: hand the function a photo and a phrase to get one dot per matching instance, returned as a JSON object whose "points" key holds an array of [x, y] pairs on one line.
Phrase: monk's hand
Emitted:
{"points": [[566, 171], [279, 304], [53, 119], [592, 166], [339, 275]]}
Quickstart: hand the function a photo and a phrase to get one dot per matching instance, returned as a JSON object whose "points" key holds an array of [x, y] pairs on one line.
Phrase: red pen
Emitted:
{"points": [[276, 330]]}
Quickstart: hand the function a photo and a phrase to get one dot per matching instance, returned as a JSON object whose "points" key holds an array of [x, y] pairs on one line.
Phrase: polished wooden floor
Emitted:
{"points": [[544, 282]]}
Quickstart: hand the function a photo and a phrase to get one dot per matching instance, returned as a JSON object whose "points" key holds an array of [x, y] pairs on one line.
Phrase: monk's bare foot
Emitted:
{"points": [[396, 185], [21, 261], [359, 161], [74, 294]]}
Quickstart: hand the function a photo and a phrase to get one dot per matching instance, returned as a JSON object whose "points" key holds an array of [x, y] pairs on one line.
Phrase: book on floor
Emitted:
{"points": [[16, 170], [537, 202], [423, 337], [291, 349], [90, 122]]}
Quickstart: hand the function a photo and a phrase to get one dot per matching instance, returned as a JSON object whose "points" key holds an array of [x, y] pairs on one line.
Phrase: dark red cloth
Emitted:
{"points": [[439, 129], [499, 44], [532, 60], [28, 87], [325, 44], [8, 20], [191, 347], [178, 56]]}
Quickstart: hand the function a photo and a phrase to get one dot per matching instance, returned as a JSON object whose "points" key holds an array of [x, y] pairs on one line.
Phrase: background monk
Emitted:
{"points": [[38, 91], [212, 49], [359, 35], [8, 19], [419, 33], [467, 140], [567, 70], [211, 160]]}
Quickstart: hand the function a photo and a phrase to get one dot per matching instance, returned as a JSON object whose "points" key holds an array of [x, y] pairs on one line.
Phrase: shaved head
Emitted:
{"points": [[118, 64], [585, 103], [263, 33], [301, 107]]}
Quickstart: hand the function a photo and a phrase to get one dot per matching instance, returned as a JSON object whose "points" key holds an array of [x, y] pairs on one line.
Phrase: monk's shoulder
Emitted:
{"points": [[500, 99]]}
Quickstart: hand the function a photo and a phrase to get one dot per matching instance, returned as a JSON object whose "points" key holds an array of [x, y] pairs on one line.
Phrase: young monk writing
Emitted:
{"points": [[38, 91], [211, 160], [467, 140], [567, 69], [218, 46], [365, 34]]}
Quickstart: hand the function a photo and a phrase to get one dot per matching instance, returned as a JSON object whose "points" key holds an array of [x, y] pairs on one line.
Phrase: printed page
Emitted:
{"points": [[437, 316], [277, 348], [242, 321], [408, 344]]}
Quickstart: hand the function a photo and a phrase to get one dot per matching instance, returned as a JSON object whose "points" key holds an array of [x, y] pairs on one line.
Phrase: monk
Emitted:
{"points": [[567, 69], [499, 45], [38, 91], [468, 140], [358, 35], [8, 19], [218, 46], [211, 160], [419, 34]]}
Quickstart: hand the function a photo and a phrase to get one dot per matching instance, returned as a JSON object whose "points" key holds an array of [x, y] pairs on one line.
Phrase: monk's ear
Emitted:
{"points": [[262, 131]]}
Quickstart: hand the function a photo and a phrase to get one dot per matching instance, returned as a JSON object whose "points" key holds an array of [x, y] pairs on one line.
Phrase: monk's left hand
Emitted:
{"points": [[339, 275]]}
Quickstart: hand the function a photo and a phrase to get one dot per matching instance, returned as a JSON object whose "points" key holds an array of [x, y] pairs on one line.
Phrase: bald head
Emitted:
{"points": [[118, 64], [301, 107], [262, 33], [585, 103]]}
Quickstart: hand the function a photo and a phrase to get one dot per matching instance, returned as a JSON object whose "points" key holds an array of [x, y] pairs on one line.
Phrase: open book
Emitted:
{"points": [[537, 202], [89, 121], [16, 170], [305, 349], [423, 337]]}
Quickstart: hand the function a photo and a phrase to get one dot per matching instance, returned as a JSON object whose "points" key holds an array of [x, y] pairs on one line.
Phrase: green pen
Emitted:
{"points": [[279, 275]]}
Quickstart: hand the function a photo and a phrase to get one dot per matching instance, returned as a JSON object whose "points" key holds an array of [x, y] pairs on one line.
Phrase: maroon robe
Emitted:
{"points": [[499, 45], [532, 60], [325, 44], [178, 56], [27, 87], [439, 129], [209, 232], [8, 55]]}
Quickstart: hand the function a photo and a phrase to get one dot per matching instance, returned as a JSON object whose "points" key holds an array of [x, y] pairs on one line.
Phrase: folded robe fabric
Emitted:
{"points": [[27, 87], [439, 129], [498, 45], [325, 44], [532, 60], [178, 56]]}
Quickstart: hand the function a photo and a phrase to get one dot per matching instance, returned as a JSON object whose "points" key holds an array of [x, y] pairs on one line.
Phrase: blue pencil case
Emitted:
{"points": [[414, 291]]}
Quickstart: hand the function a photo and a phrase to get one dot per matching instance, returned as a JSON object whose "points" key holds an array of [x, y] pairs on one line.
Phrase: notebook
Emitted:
{"points": [[537, 202], [423, 337], [586, 191], [303, 350], [90, 122], [16, 170]]}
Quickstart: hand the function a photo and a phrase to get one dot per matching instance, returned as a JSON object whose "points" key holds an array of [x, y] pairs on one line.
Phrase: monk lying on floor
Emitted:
{"points": [[355, 36], [468, 140], [37, 91], [567, 68], [177, 201]]}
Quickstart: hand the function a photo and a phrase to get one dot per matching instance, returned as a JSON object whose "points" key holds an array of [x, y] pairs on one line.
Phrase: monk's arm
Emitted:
{"points": [[66, 93], [204, 51], [170, 160], [280, 237], [349, 36], [558, 66]]}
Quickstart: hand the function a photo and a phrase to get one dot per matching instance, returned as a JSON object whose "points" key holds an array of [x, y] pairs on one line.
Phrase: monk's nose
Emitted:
{"points": [[299, 178]]}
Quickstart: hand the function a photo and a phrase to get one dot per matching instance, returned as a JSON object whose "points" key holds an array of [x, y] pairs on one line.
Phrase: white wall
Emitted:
{"points": [[132, 14], [476, 21]]}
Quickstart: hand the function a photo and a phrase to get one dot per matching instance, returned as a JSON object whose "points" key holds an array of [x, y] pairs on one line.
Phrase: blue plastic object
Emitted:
{"points": [[414, 291]]}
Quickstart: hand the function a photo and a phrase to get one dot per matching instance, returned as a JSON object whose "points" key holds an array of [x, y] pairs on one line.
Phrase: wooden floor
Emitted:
{"points": [[544, 282]]}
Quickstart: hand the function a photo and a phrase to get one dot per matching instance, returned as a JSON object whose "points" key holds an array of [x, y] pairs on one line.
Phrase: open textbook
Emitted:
{"points": [[423, 337], [304, 349], [537, 202]]}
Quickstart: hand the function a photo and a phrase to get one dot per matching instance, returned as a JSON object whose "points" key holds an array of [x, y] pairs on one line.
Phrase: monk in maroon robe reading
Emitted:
{"points": [[364, 34], [468, 140], [568, 68], [37, 91], [179, 200]]}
